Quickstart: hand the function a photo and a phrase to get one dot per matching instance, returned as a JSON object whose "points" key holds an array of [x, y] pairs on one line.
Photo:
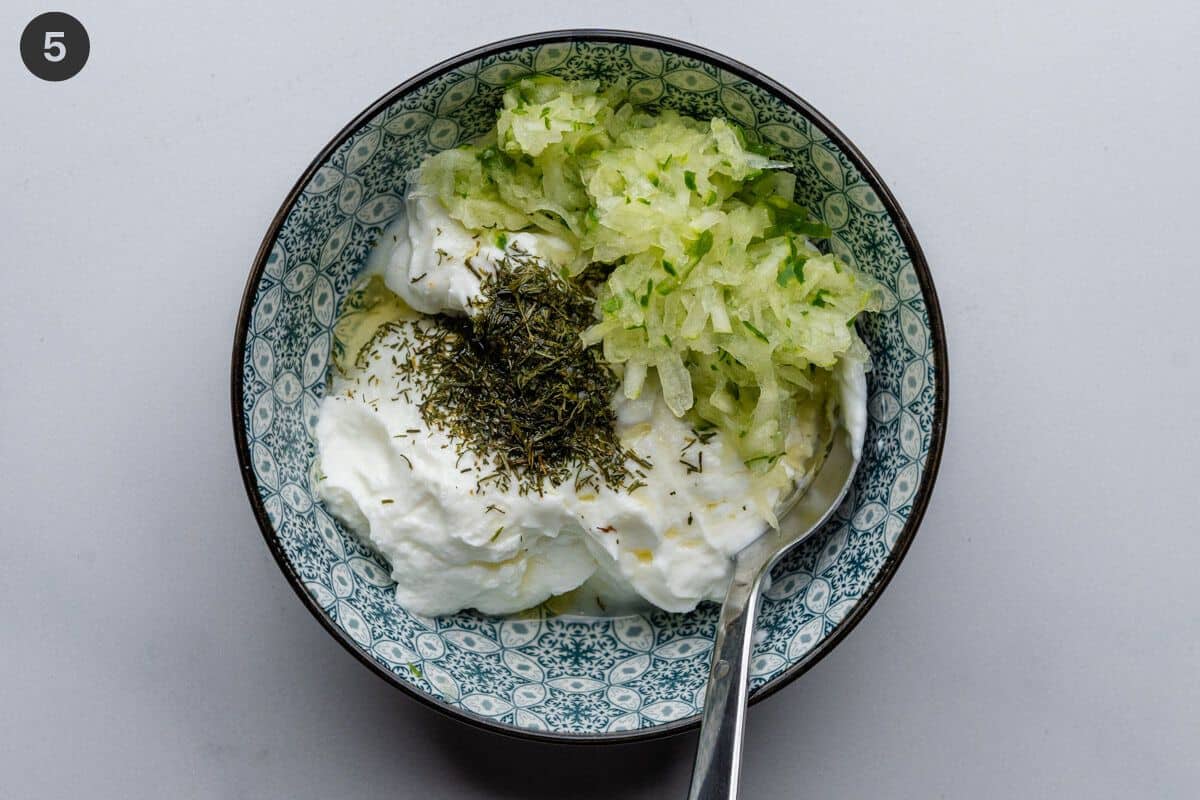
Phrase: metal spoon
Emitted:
{"points": [[719, 753]]}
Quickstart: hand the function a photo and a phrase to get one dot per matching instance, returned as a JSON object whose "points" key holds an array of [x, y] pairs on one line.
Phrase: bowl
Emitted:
{"points": [[534, 674]]}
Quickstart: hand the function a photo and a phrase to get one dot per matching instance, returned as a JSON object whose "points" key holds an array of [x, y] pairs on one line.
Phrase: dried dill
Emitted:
{"points": [[514, 383]]}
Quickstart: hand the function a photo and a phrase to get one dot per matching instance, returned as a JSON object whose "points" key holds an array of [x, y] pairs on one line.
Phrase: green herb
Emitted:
{"points": [[689, 179], [669, 268], [819, 298], [415, 670], [798, 267], [757, 333], [641, 461], [502, 240], [496, 535], [387, 501], [814, 229], [793, 265], [645, 299], [514, 384], [769, 459], [702, 245]]}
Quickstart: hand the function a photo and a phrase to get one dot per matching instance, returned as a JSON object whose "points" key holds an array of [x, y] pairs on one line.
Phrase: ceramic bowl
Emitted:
{"points": [[545, 677]]}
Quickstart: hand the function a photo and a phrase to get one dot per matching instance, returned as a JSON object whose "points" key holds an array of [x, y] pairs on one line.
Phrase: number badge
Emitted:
{"points": [[55, 46]]}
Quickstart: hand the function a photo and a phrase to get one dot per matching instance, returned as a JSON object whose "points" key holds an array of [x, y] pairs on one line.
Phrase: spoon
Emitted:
{"points": [[719, 753]]}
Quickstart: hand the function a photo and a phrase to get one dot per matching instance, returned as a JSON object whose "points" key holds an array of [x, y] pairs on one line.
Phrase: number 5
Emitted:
{"points": [[60, 49]]}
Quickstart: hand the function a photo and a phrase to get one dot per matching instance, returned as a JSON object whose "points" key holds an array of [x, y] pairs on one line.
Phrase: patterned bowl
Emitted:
{"points": [[536, 675]]}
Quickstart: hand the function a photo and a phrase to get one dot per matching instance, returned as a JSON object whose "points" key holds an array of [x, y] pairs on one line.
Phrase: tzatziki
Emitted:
{"points": [[588, 359], [402, 487]]}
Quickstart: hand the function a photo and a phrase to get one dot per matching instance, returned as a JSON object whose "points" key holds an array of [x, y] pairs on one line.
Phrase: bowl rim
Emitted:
{"points": [[929, 295]]}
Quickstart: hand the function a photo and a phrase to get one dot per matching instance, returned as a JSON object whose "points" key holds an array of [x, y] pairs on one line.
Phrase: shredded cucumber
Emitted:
{"points": [[715, 283]]}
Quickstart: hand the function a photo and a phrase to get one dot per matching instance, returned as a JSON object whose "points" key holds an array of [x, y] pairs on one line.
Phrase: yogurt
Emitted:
{"points": [[454, 542]]}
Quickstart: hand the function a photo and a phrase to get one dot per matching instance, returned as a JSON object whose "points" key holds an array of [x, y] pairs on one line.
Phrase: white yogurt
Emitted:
{"points": [[435, 264], [453, 544]]}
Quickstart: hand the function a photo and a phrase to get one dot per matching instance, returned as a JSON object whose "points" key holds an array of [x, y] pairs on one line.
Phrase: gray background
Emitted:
{"points": [[1042, 639]]}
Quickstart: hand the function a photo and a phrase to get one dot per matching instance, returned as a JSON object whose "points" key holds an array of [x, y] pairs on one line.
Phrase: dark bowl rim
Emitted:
{"points": [[937, 435]]}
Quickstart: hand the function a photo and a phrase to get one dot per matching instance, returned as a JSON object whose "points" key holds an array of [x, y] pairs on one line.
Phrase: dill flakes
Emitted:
{"points": [[514, 384]]}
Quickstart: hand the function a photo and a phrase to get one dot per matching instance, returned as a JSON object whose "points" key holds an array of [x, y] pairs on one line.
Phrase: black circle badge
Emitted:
{"points": [[55, 46]]}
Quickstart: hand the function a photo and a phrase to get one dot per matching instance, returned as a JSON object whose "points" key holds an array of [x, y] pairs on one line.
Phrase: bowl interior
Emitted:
{"points": [[611, 678]]}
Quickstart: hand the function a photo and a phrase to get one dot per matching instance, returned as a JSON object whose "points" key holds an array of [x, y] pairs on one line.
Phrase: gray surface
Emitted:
{"points": [[1042, 639]]}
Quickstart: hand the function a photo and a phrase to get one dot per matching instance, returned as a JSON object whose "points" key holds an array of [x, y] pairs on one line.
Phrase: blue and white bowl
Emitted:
{"points": [[594, 680]]}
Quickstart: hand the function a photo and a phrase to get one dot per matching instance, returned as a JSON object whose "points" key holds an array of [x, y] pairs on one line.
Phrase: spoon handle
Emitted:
{"points": [[719, 753]]}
